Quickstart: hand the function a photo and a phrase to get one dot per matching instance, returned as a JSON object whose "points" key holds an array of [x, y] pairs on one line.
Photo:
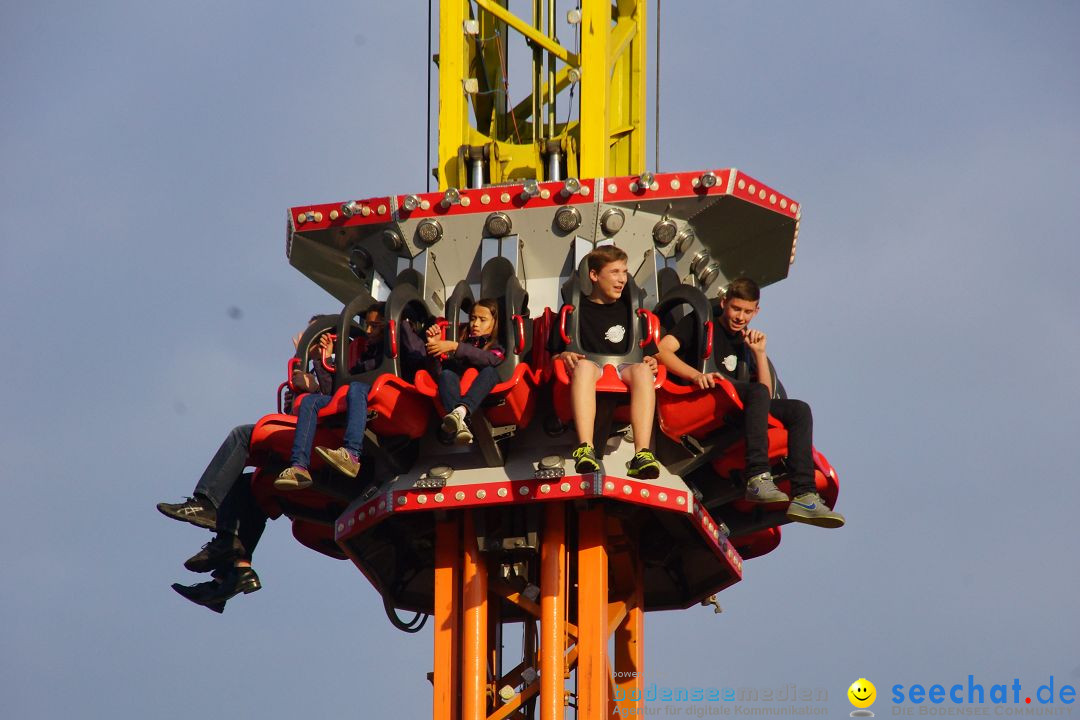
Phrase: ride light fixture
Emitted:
{"points": [[530, 188], [350, 208], [699, 261], [645, 180], [684, 239], [452, 196], [612, 221], [392, 240], [664, 232], [411, 202], [571, 186], [430, 231], [360, 261], [567, 219], [707, 180], [498, 225], [709, 274]]}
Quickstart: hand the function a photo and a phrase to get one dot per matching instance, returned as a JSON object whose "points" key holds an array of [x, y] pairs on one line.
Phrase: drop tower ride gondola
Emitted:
{"points": [[502, 532]]}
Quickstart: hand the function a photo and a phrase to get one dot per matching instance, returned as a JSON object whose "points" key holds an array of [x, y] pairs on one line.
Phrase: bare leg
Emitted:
{"points": [[583, 398], [642, 403]]}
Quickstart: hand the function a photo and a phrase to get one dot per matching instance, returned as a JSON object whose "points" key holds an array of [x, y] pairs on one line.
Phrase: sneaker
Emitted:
{"points": [[195, 510], [585, 459], [217, 554], [643, 466], [809, 508], [293, 478], [453, 424], [761, 489], [343, 460]]}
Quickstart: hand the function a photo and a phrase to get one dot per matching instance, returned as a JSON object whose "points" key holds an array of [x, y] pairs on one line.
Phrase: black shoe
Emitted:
{"points": [[215, 593], [195, 510], [218, 554], [643, 466]]}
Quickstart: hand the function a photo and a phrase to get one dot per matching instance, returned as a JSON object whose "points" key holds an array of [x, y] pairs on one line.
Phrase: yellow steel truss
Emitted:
{"points": [[478, 122]]}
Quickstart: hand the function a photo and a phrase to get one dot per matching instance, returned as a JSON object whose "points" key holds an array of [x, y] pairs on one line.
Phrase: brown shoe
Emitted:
{"points": [[341, 460], [293, 478]]}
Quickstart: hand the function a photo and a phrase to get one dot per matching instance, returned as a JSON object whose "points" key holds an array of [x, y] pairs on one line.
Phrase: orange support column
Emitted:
{"points": [[630, 644], [474, 645], [592, 580], [553, 612], [447, 621]]}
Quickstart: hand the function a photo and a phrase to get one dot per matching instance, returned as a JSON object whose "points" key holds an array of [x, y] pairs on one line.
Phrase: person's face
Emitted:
{"points": [[609, 281], [481, 321], [373, 325], [737, 313]]}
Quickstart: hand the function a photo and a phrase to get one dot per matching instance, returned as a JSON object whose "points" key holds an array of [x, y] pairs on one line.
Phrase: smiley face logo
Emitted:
{"points": [[862, 693]]}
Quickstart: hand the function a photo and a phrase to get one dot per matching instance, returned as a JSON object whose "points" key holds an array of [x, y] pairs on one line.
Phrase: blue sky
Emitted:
{"points": [[150, 152]]}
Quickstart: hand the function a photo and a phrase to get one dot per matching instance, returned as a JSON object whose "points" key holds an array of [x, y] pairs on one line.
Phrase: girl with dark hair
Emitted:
{"points": [[479, 349]]}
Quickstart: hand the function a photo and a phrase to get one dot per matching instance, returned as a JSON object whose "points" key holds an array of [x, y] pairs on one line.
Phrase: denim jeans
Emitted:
{"points": [[450, 389], [308, 415], [226, 466], [797, 419]]}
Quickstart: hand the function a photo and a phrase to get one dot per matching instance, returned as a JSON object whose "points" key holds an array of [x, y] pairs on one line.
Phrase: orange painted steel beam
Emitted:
{"points": [[474, 645], [446, 619], [592, 577], [553, 608], [630, 647]]}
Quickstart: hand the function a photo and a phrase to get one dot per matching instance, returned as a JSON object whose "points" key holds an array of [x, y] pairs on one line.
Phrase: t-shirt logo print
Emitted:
{"points": [[730, 362], [615, 334]]}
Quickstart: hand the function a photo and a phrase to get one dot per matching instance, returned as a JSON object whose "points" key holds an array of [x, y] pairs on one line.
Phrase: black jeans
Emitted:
{"points": [[797, 419], [226, 466], [241, 516], [450, 389]]}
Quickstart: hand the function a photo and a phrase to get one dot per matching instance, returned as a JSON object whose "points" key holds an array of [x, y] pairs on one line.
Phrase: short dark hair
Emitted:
{"points": [[743, 288], [604, 255], [376, 308]]}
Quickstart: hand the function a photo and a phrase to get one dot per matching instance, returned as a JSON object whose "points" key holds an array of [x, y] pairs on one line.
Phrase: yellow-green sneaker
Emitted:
{"points": [[643, 466], [809, 508], [585, 459]]}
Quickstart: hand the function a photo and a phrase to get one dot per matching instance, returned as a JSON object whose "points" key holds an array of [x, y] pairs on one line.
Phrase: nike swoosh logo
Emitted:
{"points": [[811, 506]]}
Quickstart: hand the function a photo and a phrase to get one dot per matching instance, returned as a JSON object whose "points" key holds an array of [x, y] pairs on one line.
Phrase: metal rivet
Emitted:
{"points": [[761, 194], [675, 184], [662, 497], [584, 485], [459, 495], [465, 202], [382, 505], [585, 190], [524, 490], [545, 488], [565, 487], [341, 527], [609, 485], [439, 497], [505, 197], [742, 184], [485, 199], [402, 500], [481, 494], [752, 188], [783, 203], [381, 210], [612, 188], [545, 194], [421, 499], [627, 489], [680, 500], [644, 493], [352, 521], [503, 492], [772, 199], [333, 214]]}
